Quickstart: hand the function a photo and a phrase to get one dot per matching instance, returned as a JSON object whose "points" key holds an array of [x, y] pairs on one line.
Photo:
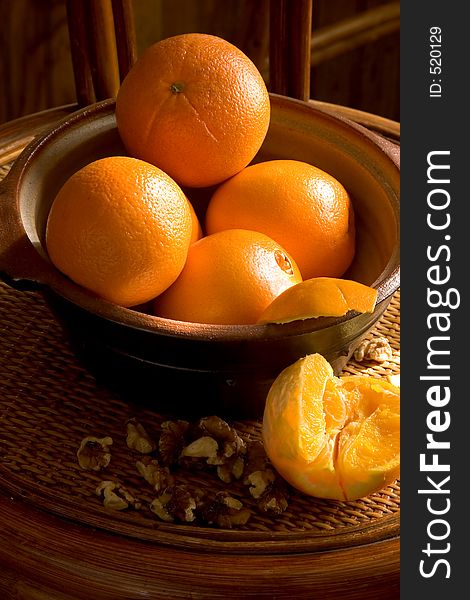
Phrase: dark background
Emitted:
{"points": [[355, 47]]}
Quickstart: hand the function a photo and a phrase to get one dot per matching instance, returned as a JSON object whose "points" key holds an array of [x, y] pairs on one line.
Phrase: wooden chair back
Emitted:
{"points": [[103, 46]]}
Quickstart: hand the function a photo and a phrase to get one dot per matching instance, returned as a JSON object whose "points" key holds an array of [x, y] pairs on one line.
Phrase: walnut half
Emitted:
{"points": [[116, 496], [94, 454], [259, 481], [172, 441], [159, 477], [269, 490], [377, 349], [215, 443], [224, 511], [177, 503], [230, 443], [203, 447], [138, 439], [275, 498]]}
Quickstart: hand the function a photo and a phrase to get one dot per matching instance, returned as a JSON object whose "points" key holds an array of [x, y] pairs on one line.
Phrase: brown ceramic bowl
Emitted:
{"points": [[191, 368]]}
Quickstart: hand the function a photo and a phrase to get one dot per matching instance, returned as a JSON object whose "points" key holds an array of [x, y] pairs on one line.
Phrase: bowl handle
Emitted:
{"points": [[21, 265]]}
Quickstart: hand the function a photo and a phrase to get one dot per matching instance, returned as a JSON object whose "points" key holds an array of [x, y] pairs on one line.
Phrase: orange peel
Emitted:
{"points": [[320, 297]]}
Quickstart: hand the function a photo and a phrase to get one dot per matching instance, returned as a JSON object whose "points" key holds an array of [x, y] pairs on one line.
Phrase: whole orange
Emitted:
{"points": [[304, 209], [230, 277], [121, 228], [197, 232], [196, 106]]}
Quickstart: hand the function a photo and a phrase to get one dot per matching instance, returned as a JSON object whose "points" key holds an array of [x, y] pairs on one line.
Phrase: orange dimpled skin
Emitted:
{"points": [[195, 106], [197, 232], [304, 209], [121, 228], [229, 278]]}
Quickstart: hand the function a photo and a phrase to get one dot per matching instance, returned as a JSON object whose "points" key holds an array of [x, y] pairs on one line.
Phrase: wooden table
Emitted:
{"points": [[58, 555]]}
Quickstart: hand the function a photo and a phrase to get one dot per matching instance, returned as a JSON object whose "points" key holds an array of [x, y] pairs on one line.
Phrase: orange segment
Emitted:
{"points": [[335, 406], [332, 437], [320, 297], [373, 439]]}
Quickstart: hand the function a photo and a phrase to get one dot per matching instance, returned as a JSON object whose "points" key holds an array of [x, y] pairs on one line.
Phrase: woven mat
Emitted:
{"points": [[49, 402]]}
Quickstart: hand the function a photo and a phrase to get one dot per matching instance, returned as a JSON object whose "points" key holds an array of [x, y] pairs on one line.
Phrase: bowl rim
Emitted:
{"points": [[36, 269]]}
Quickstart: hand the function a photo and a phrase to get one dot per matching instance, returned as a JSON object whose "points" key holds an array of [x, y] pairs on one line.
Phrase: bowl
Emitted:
{"points": [[192, 368]]}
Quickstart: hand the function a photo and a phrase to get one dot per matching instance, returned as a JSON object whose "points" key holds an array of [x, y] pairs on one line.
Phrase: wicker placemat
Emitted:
{"points": [[49, 402]]}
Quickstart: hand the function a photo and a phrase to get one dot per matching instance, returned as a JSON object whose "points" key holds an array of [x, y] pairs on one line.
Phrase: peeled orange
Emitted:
{"points": [[320, 297], [331, 437]]}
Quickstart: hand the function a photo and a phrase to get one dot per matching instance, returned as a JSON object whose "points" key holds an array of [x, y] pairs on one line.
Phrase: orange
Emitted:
{"points": [[196, 225], [320, 297], [331, 437], [195, 106], [229, 278], [303, 208], [121, 228]]}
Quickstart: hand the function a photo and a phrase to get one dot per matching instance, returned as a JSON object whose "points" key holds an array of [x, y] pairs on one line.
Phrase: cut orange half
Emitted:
{"points": [[320, 297]]}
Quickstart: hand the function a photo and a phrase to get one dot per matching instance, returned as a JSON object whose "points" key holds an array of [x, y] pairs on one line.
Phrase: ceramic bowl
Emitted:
{"points": [[187, 368]]}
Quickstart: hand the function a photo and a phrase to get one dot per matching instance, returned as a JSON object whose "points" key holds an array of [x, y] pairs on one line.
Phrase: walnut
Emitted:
{"points": [[176, 503], [274, 499], [259, 481], [232, 468], [138, 439], [203, 447], [159, 477], [116, 496], [172, 441], [158, 507], [224, 511], [266, 486], [256, 459], [230, 443], [216, 442], [94, 454], [377, 349]]}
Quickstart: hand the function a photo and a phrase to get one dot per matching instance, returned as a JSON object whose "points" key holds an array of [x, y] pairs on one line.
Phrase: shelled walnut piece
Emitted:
{"points": [[231, 469], [377, 350], [138, 439], [177, 503], [224, 511], [94, 453], [218, 444], [212, 438], [172, 441], [269, 490], [116, 496], [210, 444], [159, 477]]}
